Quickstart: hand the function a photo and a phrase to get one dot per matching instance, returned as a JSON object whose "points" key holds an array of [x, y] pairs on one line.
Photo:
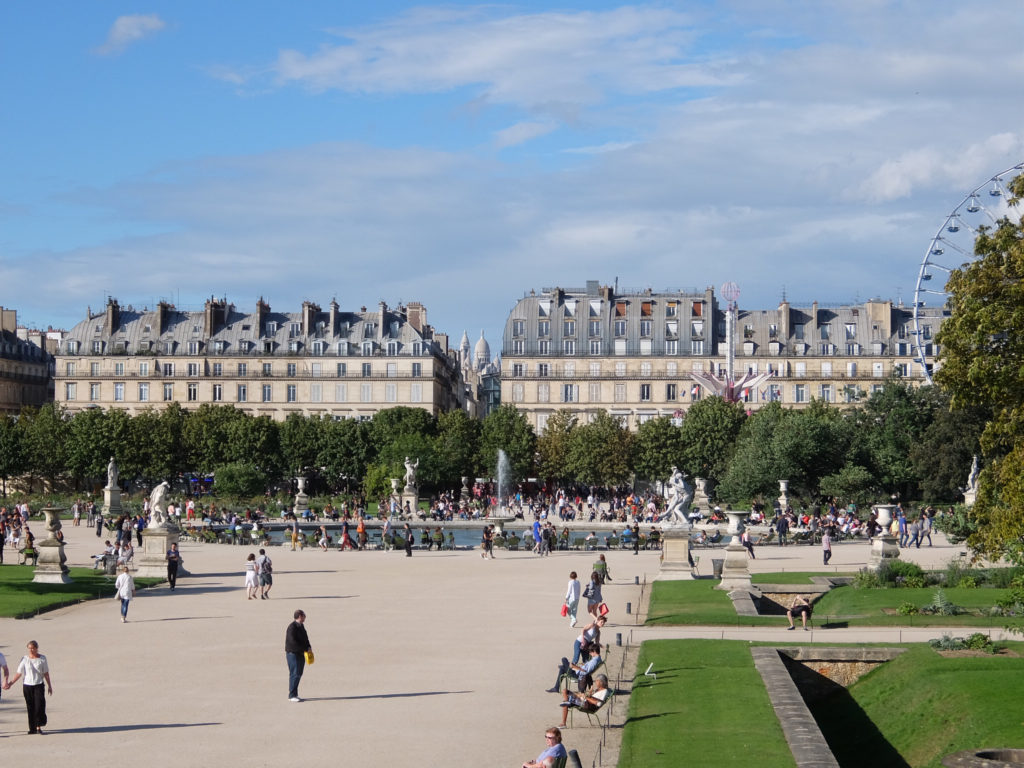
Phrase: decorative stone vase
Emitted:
{"points": [[51, 562]]}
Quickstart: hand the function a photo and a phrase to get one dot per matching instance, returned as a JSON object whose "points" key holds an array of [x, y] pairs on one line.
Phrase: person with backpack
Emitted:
{"points": [[265, 574]]}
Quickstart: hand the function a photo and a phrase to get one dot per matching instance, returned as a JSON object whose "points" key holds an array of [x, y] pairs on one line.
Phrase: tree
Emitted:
{"points": [[12, 456], [300, 442], [44, 433], [206, 434], [505, 428], [982, 363], [709, 435], [553, 446], [239, 479], [391, 423], [658, 447], [345, 451], [87, 448], [942, 457], [600, 451], [456, 447], [756, 468]]}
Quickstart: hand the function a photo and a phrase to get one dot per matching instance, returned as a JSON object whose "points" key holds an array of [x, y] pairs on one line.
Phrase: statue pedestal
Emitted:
{"points": [[675, 556], [884, 546], [152, 562], [970, 496], [50, 562], [700, 494], [410, 495], [112, 502], [50, 567], [735, 573]]}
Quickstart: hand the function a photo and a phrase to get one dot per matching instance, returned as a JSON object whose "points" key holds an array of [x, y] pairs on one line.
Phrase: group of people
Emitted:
{"points": [[259, 575]]}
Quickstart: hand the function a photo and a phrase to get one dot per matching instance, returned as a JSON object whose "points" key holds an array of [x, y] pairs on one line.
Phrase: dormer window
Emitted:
{"points": [[219, 347]]}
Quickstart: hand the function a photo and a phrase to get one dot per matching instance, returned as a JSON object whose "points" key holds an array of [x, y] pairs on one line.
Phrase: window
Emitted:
{"points": [[69, 369], [218, 393], [696, 328], [193, 347], [670, 309], [416, 392], [926, 331], [850, 394], [826, 332], [292, 393], [570, 393], [543, 327], [267, 393], [97, 347], [594, 327], [193, 369], [828, 349], [293, 347], [417, 348], [119, 391], [696, 347], [798, 331], [774, 393], [392, 348], [826, 393], [672, 369], [672, 328], [143, 369], [594, 392], [192, 392], [569, 328], [620, 327], [645, 369], [268, 347], [851, 370], [271, 327], [168, 369], [544, 307], [367, 349], [417, 369], [645, 393], [568, 346], [826, 370], [70, 391], [542, 422], [341, 393], [219, 347], [366, 393], [168, 392], [620, 309], [342, 369], [900, 369], [851, 330], [72, 347], [645, 328], [119, 369], [94, 392], [243, 369], [595, 369], [391, 392], [620, 369], [316, 370], [94, 369], [316, 392], [877, 370], [518, 327], [518, 370], [543, 392], [697, 310], [268, 369], [392, 370], [620, 393], [218, 369], [518, 392], [243, 393], [800, 393], [670, 392], [319, 348], [517, 347], [342, 348], [773, 331], [544, 347], [367, 370], [143, 392], [595, 346], [800, 369], [543, 369]]}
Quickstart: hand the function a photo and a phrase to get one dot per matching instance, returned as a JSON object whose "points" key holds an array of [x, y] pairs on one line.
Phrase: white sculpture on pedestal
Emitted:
{"points": [[410, 473], [679, 497], [158, 505]]}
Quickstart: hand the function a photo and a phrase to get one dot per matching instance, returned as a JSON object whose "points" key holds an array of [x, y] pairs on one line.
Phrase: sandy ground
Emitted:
{"points": [[438, 659]]}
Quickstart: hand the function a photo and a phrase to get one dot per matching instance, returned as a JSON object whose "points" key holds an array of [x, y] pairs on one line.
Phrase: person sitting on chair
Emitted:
{"points": [[589, 701], [581, 671], [554, 752], [801, 606]]}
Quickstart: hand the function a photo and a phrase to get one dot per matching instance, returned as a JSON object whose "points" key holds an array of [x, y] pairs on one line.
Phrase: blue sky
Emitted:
{"points": [[461, 155]]}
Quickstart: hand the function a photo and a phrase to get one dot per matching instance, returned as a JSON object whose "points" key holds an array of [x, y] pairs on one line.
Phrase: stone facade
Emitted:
{"points": [[26, 365], [334, 363], [632, 352]]}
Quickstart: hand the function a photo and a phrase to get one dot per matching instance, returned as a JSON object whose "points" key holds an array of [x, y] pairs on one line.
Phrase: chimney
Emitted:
{"points": [[215, 315], [383, 321], [334, 318], [8, 320], [163, 310], [309, 313], [112, 320], [416, 314]]}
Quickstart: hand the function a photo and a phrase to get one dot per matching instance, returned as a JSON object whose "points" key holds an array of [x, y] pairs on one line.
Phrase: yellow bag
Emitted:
{"points": [[309, 657]]}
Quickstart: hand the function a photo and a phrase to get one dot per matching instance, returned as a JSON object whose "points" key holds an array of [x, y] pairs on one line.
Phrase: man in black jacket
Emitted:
{"points": [[296, 643]]}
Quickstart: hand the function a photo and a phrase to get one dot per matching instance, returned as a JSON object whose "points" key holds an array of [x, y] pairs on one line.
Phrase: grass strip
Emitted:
{"points": [[21, 598], [708, 707]]}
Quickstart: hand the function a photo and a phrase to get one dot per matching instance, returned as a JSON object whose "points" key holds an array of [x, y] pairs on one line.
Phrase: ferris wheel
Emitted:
{"points": [[950, 248]]}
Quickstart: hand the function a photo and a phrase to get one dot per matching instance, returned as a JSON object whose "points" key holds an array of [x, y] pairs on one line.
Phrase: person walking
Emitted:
{"points": [[593, 595], [99, 524], [636, 538], [125, 586], [35, 671], [572, 597], [265, 572], [408, 535], [746, 542], [251, 584], [296, 645], [173, 561], [826, 544]]}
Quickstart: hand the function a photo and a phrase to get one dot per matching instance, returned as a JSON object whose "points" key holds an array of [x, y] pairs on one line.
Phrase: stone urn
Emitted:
{"points": [[51, 564], [884, 546]]}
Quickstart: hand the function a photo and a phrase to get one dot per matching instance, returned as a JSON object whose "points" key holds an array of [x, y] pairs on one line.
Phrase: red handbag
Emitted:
{"points": [[565, 609], [603, 609]]}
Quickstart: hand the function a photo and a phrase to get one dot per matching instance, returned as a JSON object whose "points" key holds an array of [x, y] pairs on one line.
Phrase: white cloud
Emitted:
{"points": [[129, 29], [523, 132]]}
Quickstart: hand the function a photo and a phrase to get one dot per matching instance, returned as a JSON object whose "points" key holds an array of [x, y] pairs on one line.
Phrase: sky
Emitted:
{"points": [[461, 155]]}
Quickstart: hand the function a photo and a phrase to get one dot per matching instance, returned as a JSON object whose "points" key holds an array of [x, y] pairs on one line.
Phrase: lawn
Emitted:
{"points": [[21, 598], [921, 706], [708, 707], [698, 602]]}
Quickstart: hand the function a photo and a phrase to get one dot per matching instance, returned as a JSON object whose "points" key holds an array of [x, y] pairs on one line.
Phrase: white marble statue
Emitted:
{"points": [[972, 478], [410, 472], [112, 473], [679, 497], [158, 505]]}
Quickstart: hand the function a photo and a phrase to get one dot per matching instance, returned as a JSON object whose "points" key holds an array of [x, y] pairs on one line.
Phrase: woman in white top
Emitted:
{"points": [[34, 670], [572, 597], [251, 582], [125, 586]]}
